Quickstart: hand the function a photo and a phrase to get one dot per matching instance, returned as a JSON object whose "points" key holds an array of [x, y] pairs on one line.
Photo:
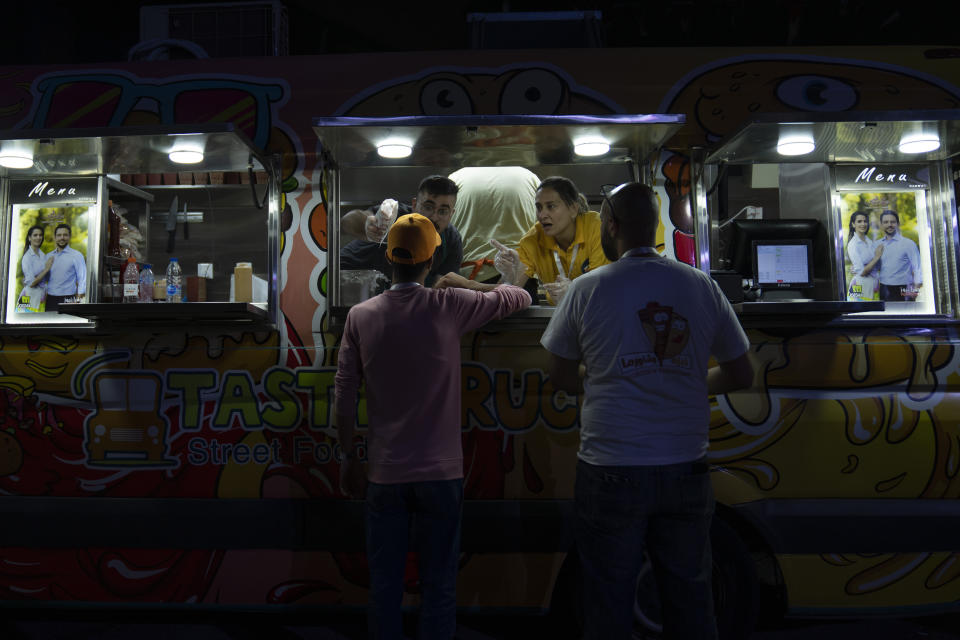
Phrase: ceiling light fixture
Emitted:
{"points": [[16, 159], [186, 156], [591, 147], [919, 143], [394, 149], [796, 144]]}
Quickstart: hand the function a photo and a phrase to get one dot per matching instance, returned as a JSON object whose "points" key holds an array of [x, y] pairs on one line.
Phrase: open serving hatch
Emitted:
{"points": [[367, 159], [828, 169], [68, 176]]}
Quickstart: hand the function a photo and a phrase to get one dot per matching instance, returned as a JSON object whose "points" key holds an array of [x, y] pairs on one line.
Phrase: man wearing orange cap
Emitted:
{"points": [[405, 345]]}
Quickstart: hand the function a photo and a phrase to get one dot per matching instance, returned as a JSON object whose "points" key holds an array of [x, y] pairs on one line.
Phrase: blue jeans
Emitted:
{"points": [[620, 511], [432, 510]]}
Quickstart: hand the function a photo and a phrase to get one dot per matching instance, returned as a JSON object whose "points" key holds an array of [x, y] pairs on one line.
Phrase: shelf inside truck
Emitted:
{"points": [[814, 307], [166, 314]]}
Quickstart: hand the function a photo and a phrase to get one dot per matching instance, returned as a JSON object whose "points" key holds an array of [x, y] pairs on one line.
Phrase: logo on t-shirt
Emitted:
{"points": [[667, 331]]}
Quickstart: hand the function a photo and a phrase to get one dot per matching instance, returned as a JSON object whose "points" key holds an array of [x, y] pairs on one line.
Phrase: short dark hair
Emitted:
{"points": [[62, 225], [890, 212], [406, 272], [438, 185], [638, 210], [567, 191]]}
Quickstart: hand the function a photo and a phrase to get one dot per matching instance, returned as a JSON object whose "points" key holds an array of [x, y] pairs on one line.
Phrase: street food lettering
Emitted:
{"points": [[201, 451]]}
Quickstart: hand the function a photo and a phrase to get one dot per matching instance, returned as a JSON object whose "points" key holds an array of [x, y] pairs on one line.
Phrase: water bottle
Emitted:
{"points": [[174, 281], [131, 281], [146, 283]]}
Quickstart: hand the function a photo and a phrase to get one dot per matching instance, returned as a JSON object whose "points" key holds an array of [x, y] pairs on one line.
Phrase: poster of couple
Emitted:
{"points": [[886, 255], [48, 247]]}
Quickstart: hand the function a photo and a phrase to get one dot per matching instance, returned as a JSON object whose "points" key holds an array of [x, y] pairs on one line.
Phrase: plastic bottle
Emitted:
{"points": [[174, 281], [146, 283], [131, 281]]}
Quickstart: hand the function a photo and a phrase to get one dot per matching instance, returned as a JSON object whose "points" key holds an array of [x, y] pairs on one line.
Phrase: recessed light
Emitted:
{"points": [[13, 160], [394, 150], [920, 143], [186, 156], [594, 147], [795, 145]]}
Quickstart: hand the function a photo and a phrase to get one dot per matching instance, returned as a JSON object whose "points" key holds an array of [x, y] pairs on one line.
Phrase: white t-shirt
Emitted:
{"points": [[645, 328]]}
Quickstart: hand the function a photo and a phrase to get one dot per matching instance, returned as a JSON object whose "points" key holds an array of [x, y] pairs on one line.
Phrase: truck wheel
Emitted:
{"points": [[735, 592], [736, 598]]}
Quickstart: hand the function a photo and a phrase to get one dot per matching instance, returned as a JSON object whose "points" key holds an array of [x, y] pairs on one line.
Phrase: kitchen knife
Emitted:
{"points": [[172, 225]]}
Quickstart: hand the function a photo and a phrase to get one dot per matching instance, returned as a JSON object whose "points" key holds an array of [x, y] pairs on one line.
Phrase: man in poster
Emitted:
{"points": [[900, 274], [68, 274]]}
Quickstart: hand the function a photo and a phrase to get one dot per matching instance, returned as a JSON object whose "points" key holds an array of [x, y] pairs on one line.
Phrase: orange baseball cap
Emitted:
{"points": [[415, 235]]}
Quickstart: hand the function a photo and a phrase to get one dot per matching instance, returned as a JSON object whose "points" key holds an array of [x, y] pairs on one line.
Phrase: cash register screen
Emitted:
{"points": [[783, 264]]}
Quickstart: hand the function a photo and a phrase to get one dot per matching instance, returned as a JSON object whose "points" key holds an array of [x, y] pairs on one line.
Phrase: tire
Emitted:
{"points": [[736, 593], [647, 622], [736, 596]]}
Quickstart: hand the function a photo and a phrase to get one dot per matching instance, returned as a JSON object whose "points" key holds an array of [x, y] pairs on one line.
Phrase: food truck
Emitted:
{"points": [[218, 487]]}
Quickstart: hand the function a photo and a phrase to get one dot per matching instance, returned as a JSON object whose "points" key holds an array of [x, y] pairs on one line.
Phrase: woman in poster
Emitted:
{"points": [[864, 254], [36, 267]]}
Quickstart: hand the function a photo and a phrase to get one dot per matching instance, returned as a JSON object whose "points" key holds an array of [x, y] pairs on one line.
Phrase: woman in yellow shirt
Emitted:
{"points": [[563, 244]]}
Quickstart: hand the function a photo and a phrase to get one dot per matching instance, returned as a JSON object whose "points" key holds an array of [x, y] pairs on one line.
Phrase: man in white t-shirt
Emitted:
{"points": [[644, 328]]}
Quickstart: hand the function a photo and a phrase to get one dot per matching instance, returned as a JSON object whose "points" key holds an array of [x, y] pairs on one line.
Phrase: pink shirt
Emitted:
{"points": [[405, 343]]}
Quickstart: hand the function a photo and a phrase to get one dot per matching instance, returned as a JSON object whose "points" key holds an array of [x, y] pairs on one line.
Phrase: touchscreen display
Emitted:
{"points": [[783, 264]]}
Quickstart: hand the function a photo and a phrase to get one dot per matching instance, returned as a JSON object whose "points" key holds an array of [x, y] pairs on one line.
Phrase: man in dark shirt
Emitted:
{"points": [[436, 199]]}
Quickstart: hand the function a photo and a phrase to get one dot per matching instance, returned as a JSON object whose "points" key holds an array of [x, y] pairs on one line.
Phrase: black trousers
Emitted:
{"points": [[891, 292], [54, 301]]}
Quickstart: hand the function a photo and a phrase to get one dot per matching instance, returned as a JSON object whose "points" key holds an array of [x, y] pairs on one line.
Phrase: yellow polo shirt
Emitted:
{"points": [[537, 249]]}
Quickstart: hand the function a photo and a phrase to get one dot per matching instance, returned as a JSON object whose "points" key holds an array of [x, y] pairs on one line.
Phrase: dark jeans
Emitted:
{"points": [[54, 301], [432, 510], [620, 511]]}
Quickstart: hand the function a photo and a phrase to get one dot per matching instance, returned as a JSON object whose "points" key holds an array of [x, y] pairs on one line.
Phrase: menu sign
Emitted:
{"points": [[41, 191], [882, 177]]}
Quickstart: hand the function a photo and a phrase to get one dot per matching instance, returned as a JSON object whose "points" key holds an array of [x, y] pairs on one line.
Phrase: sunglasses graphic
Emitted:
{"points": [[105, 100]]}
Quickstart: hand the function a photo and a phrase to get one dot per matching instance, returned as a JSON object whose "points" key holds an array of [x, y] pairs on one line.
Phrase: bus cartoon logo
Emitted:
{"points": [[127, 428]]}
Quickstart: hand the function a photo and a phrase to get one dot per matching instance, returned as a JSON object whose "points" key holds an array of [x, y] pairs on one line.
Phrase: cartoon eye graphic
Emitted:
{"points": [[445, 98], [534, 91], [817, 93]]}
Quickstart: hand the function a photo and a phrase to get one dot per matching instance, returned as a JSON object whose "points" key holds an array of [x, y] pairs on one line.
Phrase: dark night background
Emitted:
{"points": [[97, 31]]}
